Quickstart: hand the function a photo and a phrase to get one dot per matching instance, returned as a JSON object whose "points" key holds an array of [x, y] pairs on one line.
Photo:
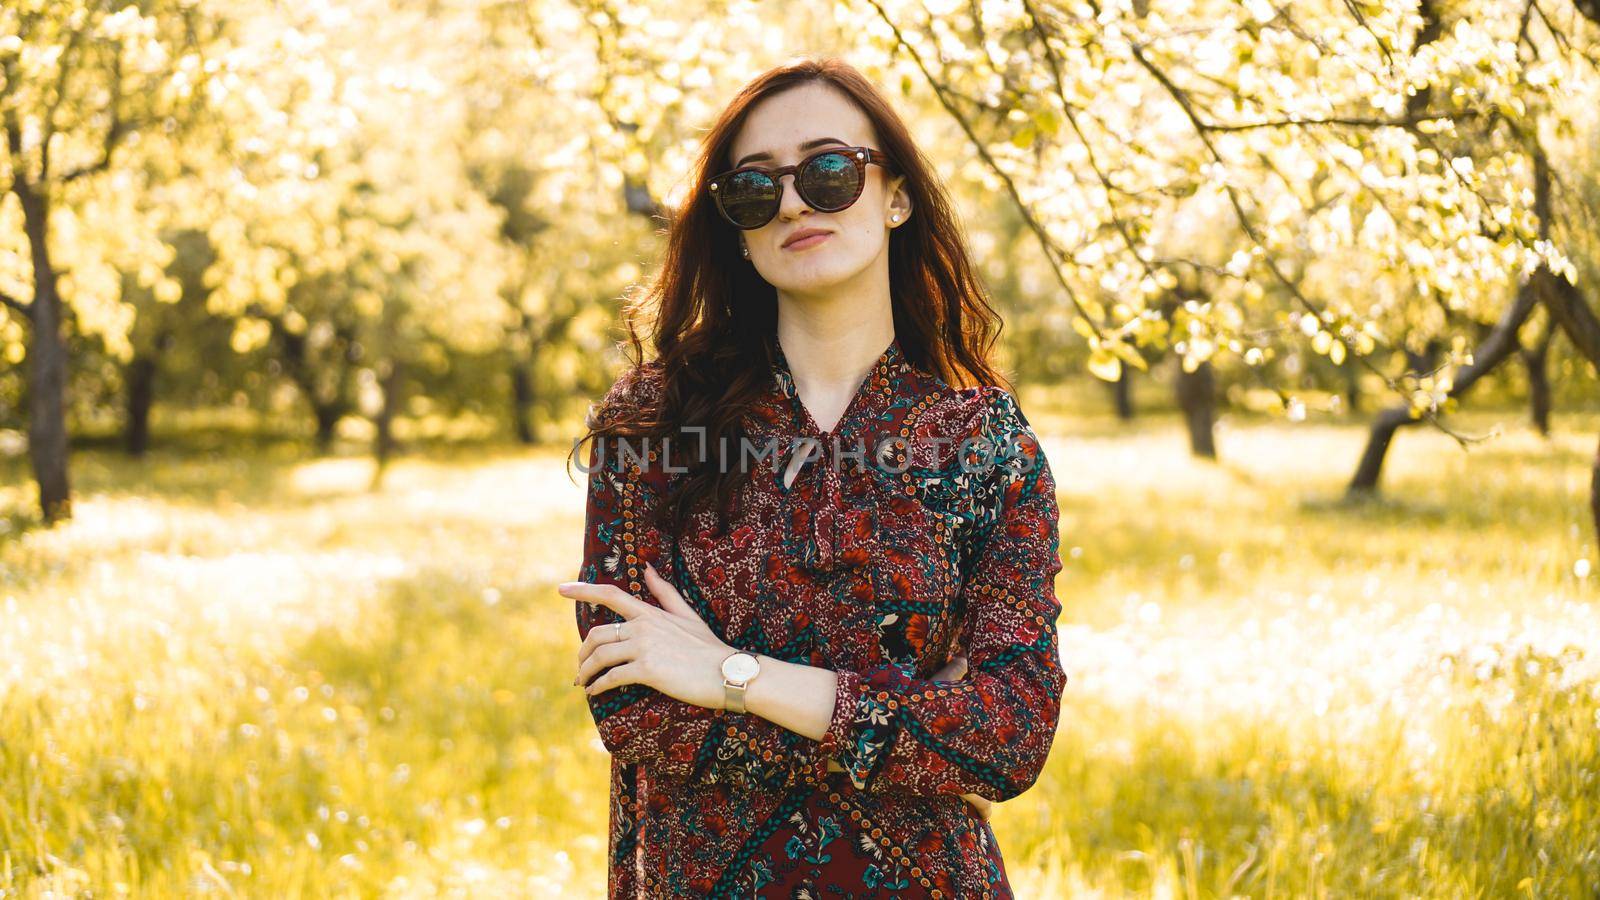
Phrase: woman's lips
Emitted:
{"points": [[809, 241]]}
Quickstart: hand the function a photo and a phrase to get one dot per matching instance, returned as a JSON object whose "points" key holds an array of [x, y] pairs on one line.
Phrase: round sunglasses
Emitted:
{"points": [[828, 181]]}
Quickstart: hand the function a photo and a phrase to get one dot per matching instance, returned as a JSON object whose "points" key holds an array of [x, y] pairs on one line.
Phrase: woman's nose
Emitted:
{"points": [[789, 201]]}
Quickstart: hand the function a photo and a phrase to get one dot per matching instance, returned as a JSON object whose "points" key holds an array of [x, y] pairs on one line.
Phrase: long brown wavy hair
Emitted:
{"points": [[712, 319]]}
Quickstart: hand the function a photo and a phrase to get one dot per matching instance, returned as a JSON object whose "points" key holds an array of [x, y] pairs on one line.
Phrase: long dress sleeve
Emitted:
{"points": [[637, 723], [989, 733]]}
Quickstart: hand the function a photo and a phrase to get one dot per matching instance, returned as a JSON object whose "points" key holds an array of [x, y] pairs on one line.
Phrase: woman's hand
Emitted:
{"points": [[669, 648], [673, 650], [955, 670]]}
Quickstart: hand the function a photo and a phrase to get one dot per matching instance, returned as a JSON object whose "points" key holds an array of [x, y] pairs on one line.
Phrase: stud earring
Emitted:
{"points": [[746, 249], [895, 217]]}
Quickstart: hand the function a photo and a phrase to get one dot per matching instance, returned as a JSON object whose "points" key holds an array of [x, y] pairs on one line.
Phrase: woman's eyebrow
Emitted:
{"points": [[814, 142]]}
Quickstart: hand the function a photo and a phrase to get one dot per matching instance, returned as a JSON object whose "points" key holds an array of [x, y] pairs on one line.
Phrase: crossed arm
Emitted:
{"points": [[985, 735], [675, 649]]}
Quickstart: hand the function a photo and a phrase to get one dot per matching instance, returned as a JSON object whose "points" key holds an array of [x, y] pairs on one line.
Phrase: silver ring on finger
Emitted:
{"points": [[617, 631]]}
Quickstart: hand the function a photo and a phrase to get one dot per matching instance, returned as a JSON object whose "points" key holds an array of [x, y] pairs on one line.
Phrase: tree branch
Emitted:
{"points": [[1181, 98], [1052, 250], [1352, 121], [1083, 140], [26, 309], [114, 132]]}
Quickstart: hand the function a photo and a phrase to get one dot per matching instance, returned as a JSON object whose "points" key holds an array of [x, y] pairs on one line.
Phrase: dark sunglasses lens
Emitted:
{"points": [[748, 198], [830, 181]]}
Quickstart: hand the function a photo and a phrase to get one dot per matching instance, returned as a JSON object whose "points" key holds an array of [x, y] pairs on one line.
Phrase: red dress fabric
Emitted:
{"points": [[941, 537]]}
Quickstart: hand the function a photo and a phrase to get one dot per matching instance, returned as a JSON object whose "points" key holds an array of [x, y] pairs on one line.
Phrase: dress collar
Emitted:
{"points": [[871, 398]]}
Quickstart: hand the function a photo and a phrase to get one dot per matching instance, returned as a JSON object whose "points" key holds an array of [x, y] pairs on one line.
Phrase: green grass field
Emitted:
{"points": [[238, 672]]}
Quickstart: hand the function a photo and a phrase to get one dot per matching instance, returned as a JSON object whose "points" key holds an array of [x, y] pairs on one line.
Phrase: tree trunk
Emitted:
{"points": [[385, 442], [328, 416], [1197, 398], [522, 400], [47, 385], [1567, 307], [1582, 327], [1122, 394], [1352, 387], [1536, 360], [1494, 350], [328, 404], [1594, 495], [1383, 428], [140, 385]]}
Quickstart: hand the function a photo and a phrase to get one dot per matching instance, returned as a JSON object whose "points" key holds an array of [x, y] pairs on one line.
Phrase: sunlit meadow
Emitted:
{"points": [[238, 672]]}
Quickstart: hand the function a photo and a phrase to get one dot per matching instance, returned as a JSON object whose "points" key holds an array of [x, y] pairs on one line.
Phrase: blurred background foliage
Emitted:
{"points": [[255, 255]]}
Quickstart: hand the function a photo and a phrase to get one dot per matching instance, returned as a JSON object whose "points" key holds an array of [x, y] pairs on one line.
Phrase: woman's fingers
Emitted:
{"points": [[608, 654], [954, 670], [662, 590], [980, 805], [627, 673], [608, 595], [631, 608], [606, 633]]}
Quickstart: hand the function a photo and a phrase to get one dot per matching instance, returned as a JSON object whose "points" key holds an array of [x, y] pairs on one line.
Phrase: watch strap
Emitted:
{"points": [[733, 692]]}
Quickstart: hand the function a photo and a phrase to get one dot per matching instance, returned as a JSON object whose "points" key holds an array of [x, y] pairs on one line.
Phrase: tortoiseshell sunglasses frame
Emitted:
{"points": [[860, 156]]}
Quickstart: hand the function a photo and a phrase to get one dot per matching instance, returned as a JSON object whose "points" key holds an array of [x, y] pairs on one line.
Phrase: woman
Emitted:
{"points": [[797, 525]]}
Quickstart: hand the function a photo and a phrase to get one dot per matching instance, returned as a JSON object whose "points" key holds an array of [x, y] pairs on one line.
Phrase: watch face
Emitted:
{"points": [[740, 667]]}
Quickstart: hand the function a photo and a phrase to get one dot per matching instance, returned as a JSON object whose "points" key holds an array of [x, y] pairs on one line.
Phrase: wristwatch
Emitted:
{"points": [[738, 670]]}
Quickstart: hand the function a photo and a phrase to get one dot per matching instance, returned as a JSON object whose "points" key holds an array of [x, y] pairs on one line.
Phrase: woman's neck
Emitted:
{"points": [[830, 347]]}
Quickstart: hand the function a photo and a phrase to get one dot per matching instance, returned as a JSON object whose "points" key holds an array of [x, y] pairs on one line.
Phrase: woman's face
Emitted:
{"points": [[858, 237]]}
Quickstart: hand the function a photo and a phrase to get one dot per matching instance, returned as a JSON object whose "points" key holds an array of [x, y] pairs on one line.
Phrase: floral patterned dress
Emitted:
{"points": [[934, 534]]}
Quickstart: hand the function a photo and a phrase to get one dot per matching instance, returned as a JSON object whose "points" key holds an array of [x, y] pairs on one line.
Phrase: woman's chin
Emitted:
{"points": [[815, 279]]}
